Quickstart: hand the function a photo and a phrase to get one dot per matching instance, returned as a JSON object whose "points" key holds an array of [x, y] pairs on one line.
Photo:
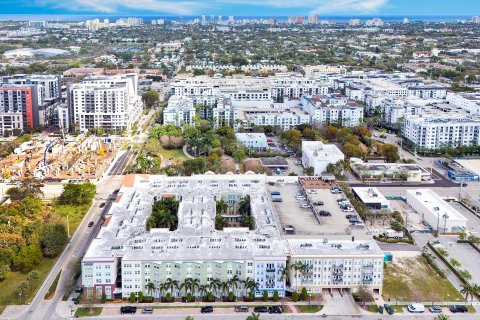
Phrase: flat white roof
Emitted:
{"points": [[321, 151], [435, 204], [370, 195]]}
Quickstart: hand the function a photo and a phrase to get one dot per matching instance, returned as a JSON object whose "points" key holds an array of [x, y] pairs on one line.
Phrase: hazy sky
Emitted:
{"points": [[245, 7]]}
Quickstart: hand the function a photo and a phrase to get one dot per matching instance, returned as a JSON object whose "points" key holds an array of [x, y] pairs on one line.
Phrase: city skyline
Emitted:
{"points": [[247, 7]]}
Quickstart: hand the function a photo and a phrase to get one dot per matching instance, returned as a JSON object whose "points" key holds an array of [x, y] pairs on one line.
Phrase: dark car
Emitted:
{"points": [[318, 203], [389, 309], [275, 309], [458, 308], [260, 309], [207, 309], [350, 216], [102, 204], [78, 289], [324, 213], [342, 200], [128, 309], [90, 224]]}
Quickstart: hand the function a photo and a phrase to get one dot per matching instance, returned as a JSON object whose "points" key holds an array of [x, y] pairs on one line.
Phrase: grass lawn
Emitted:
{"points": [[75, 214], [84, 312], [53, 287], [373, 308], [309, 308], [412, 279], [176, 154], [9, 286], [397, 309], [471, 309]]}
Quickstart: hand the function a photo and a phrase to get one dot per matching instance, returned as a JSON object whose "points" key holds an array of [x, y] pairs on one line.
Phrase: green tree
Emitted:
{"points": [[144, 163], [4, 270], [192, 166], [29, 187], [140, 296], [150, 98], [239, 154], [33, 278], [309, 171], [275, 296], [390, 152], [132, 297], [53, 238], [265, 296], [295, 296], [304, 293], [78, 193], [27, 258]]}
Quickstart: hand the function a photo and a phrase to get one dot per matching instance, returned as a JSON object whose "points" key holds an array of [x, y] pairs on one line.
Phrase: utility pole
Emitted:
{"points": [[68, 227]]}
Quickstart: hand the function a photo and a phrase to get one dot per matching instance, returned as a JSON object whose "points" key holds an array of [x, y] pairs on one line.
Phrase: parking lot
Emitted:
{"points": [[463, 253], [303, 219]]}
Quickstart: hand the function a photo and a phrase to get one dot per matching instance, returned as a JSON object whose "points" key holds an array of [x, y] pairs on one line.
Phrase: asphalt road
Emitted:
{"points": [[119, 165]]}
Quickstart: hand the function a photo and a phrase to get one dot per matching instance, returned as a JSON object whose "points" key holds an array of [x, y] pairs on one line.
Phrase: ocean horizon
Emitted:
{"points": [[332, 18]]}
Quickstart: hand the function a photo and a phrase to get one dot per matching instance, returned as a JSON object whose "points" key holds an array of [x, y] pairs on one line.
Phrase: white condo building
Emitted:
{"points": [[111, 102], [318, 155], [125, 257], [333, 110]]}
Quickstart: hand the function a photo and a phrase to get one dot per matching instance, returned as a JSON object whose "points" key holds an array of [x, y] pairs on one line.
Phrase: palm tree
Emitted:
{"points": [[221, 206], [194, 285], [150, 288], [170, 285], [187, 285], [442, 317], [214, 285], [224, 287], [467, 290], [233, 283], [254, 316], [168, 220], [162, 288], [203, 290], [297, 267], [475, 291], [244, 205], [284, 273]]}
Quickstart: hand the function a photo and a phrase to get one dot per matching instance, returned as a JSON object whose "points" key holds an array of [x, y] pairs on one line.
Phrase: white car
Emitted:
{"points": [[300, 198], [304, 205], [416, 308]]}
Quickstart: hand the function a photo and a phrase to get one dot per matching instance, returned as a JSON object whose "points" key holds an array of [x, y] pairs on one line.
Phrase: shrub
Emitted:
{"points": [[210, 297], [132, 297], [140, 297], [265, 296], [104, 298], [295, 296], [304, 294], [275, 296], [148, 299], [231, 297], [168, 297], [251, 296]]}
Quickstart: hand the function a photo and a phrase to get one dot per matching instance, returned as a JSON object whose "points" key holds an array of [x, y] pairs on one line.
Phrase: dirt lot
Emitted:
{"points": [[412, 279]]}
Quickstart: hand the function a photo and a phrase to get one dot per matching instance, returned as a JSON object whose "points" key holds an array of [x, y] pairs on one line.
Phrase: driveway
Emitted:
{"points": [[336, 304]]}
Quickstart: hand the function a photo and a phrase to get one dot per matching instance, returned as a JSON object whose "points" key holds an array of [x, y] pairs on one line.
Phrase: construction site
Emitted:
{"points": [[58, 159]]}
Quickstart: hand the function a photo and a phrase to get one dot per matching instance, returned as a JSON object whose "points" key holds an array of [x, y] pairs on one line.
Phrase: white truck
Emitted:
{"points": [[393, 234]]}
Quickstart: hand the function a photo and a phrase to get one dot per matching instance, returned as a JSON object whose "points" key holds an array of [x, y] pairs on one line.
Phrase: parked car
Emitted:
{"points": [[102, 204], [318, 203], [147, 310], [335, 190], [128, 309], [324, 213], [300, 198], [241, 309], [78, 289], [342, 200], [458, 308], [207, 309], [435, 309], [416, 308], [304, 205], [388, 309], [350, 216], [347, 209], [260, 309], [90, 224], [275, 193], [277, 200], [275, 309]]}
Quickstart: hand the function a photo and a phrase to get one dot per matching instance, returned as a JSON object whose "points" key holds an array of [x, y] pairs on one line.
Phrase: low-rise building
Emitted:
{"points": [[318, 155], [435, 211], [253, 140], [371, 197], [410, 172]]}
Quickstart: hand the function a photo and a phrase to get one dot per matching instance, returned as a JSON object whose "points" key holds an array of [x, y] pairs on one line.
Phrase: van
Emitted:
{"points": [[416, 308], [147, 310]]}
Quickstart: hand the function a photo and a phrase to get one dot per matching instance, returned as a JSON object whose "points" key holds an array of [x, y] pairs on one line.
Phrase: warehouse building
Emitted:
{"points": [[435, 211], [371, 197]]}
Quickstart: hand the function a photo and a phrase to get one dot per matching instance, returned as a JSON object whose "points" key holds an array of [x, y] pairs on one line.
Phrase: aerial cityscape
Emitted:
{"points": [[240, 159]]}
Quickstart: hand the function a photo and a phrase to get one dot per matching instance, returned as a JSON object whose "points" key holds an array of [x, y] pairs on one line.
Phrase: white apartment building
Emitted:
{"points": [[318, 155], [111, 103], [467, 101], [427, 92], [435, 131], [285, 118], [253, 140], [124, 257], [179, 111], [311, 71], [333, 110]]}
